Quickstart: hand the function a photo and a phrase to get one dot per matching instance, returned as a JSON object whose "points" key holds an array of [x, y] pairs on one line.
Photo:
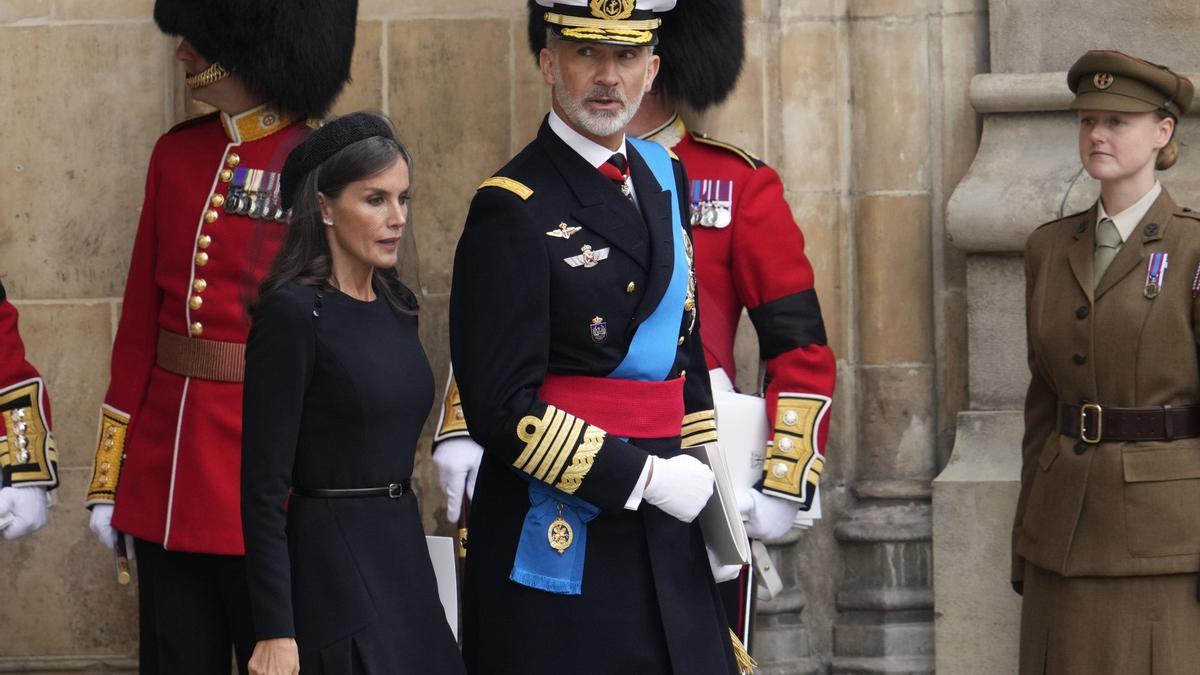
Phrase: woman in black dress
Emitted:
{"points": [[337, 389]]}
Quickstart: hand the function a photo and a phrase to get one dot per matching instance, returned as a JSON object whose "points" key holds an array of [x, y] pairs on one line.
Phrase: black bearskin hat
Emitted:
{"points": [[296, 52], [702, 44]]}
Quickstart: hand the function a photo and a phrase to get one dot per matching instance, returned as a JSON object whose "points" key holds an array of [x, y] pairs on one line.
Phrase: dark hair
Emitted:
{"points": [[305, 255]]}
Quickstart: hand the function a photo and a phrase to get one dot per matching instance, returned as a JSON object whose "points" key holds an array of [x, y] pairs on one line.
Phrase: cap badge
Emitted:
{"points": [[1102, 80], [612, 10]]}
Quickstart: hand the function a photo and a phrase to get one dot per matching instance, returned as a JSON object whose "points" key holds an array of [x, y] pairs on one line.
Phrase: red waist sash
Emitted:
{"points": [[626, 408]]}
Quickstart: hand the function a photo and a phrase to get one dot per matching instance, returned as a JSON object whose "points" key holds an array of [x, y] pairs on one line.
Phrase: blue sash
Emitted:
{"points": [[650, 358]]}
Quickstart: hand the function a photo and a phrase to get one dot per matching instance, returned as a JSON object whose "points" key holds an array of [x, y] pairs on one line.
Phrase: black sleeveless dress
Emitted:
{"points": [[336, 393]]}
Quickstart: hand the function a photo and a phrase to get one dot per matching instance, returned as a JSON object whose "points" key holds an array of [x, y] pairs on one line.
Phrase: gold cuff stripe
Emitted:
{"points": [[27, 436], [556, 468], [581, 464], [551, 440], [530, 429], [551, 443], [698, 416], [695, 427], [585, 22], [110, 455], [535, 444], [517, 188], [699, 439]]}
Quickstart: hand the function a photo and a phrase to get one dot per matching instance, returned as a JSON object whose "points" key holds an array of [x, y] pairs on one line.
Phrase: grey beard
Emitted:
{"points": [[600, 123]]}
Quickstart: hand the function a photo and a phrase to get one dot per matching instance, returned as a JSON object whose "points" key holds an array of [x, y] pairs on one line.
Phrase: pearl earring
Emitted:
{"points": [[328, 221]]}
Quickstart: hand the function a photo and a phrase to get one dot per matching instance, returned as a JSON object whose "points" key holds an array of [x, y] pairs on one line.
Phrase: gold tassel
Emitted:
{"points": [[746, 663]]}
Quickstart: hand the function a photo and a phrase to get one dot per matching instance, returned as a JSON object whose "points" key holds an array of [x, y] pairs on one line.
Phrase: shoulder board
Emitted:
{"points": [[750, 159], [516, 187], [1185, 212], [1064, 218], [193, 121]]}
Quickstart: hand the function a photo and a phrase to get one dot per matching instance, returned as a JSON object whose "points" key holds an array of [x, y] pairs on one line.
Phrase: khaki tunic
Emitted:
{"points": [[1115, 509]]}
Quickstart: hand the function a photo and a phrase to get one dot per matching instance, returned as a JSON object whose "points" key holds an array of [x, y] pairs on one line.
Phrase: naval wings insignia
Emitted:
{"points": [[564, 231], [588, 257]]}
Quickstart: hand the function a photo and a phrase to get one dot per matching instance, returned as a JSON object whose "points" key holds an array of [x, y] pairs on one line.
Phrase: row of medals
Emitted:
{"points": [[256, 205]]}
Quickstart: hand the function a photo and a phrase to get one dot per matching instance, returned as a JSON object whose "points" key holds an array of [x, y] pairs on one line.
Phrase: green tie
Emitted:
{"points": [[1108, 242]]}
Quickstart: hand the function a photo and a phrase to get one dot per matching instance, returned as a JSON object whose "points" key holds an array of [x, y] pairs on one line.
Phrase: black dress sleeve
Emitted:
{"points": [[280, 355]]}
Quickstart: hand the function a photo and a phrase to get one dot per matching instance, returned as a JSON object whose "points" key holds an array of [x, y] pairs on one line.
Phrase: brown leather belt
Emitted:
{"points": [[204, 359], [1094, 423]]}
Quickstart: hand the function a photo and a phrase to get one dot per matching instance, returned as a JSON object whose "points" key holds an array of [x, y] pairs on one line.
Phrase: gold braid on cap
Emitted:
{"points": [[214, 73]]}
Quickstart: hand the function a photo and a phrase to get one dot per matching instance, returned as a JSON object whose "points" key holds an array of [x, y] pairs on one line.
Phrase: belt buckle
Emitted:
{"points": [[395, 490], [1083, 415]]}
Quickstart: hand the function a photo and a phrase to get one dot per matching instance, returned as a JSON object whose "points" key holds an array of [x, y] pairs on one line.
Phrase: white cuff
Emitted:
{"points": [[635, 497]]}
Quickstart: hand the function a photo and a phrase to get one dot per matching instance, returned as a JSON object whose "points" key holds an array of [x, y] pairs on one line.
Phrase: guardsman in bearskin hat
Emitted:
{"points": [[167, 466], [28, 458], [749, 255], [573, 330]]}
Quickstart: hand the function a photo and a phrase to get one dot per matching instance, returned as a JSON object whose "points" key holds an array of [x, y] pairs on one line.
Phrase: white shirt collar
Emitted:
{"points": [[1127, 220], [590, 150]]}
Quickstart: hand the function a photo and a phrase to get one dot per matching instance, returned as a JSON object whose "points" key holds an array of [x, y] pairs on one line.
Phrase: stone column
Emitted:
{"points": [[909, 62], [1027, 172]]}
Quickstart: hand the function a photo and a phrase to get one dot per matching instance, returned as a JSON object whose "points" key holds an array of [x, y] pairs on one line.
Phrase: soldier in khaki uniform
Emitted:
{"points": [[1107, 533]]}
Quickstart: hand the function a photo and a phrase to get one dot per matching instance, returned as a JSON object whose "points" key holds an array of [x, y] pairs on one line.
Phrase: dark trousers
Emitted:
{"points": [[195, 612]]}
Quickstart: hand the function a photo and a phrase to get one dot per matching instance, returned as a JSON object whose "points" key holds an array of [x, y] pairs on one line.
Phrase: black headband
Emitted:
{"points": [[325, 143]]}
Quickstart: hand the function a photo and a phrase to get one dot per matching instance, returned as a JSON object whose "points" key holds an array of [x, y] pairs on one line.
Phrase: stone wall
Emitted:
{"points": [[861, 104]]}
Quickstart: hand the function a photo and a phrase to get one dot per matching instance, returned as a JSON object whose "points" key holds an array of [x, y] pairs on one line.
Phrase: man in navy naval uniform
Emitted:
{"points": [[574, 333]]}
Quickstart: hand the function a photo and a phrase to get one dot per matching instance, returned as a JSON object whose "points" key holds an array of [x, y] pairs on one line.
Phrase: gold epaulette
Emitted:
{"points": [[28, 455], [553, 439], [516, 187], [750, 159], [453, 424], [699, 428], [110, 455], [793, 465]]}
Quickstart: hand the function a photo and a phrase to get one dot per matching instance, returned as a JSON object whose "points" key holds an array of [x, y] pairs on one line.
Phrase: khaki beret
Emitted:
{"points": [[1111, 80]]}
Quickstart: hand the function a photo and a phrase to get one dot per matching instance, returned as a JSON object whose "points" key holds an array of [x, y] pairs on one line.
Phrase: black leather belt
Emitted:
{"points": [[1094, 423], [391, 491]]}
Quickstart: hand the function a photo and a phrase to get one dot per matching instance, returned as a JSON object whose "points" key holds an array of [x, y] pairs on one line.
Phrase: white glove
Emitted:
{"points": [[101, 524], [767, 518], [457, 461], [721, 573], [24, 509], [681, 486]]}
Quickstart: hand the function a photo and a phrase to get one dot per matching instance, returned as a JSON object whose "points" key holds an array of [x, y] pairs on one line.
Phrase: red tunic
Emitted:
{"points": [[170, 445], [750, 254], [27, 453]]}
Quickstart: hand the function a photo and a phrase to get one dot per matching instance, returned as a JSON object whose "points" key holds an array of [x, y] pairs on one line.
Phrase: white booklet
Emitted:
{"points": [[441, 554], [720, 520]]}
